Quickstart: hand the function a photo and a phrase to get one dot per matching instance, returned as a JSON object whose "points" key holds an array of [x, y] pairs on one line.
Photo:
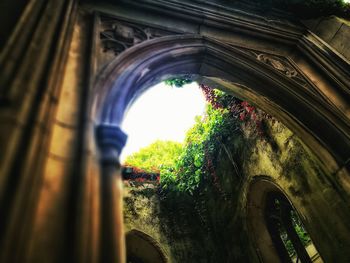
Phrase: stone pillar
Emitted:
{"points": [[32, 199], [111, 140]]}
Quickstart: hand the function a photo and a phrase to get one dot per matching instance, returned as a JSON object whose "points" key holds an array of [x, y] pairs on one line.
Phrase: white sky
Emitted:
{"points": [[162, 113]]}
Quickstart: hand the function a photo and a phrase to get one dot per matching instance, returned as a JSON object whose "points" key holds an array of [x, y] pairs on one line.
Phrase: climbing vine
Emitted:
{"points": [[225, 116], [249, 117], [202, 141]]}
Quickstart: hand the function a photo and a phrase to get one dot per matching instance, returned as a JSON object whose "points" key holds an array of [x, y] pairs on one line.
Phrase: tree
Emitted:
{"points": [[156, 156]]}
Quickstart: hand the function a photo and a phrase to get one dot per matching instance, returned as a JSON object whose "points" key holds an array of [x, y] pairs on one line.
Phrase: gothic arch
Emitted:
{"points": [[274, 83], [259, 192], [53, 97], [255, 214]]}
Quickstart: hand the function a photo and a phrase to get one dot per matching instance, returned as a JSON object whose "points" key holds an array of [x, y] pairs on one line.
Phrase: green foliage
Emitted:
{"points": [[301, 232], [299, 228], [202, 142], [156, 156], [182, 167], [177, 82]]}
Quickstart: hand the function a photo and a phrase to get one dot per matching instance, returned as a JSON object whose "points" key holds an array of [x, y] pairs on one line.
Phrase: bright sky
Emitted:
{"points": [[162, 113]]}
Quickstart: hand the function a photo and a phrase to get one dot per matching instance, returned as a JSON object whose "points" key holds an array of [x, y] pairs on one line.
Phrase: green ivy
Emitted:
{"points": [[202, 142]]}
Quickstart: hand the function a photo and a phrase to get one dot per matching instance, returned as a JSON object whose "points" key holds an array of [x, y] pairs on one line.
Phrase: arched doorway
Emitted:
{"points": [[141, 248]]}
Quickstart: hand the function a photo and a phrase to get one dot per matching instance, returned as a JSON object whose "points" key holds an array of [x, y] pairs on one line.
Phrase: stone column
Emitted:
{"points": [[111, 140], [33, 197]]}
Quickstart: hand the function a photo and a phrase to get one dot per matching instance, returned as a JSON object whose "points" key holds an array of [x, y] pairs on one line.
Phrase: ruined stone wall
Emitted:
{"points": [[335, 31], [212, 225]]}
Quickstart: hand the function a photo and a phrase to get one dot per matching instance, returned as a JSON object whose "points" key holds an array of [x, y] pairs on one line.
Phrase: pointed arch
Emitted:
{"points": [[266, 222]]}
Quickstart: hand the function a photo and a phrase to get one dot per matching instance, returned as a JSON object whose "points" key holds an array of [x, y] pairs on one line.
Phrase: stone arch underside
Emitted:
{"points": [[274, 83]]}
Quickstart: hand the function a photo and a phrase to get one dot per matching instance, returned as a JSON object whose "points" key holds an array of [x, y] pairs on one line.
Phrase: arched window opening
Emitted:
{"points": [[292, 242]]}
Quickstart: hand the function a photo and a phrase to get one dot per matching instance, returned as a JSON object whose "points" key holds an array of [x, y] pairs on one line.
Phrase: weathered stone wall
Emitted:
{"points": [[142, 212], [212, 225], [335, 31], [288, 163]]}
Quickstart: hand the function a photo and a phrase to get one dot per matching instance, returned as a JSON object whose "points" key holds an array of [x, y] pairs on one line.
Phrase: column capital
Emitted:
{"points": [[110, 141]]}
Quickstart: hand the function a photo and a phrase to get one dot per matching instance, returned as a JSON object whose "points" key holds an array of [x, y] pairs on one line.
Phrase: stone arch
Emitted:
{"points": [[271, 82], [45, 119], [141, 247]]}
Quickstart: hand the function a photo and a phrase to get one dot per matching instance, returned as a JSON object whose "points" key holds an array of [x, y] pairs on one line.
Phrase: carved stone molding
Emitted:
{"points": [[118, 35], [278, 64], [281, 64]]}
